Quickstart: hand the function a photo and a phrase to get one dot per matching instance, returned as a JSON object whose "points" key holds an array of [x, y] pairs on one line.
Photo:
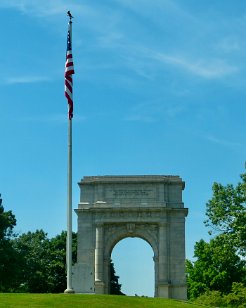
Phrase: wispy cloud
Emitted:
{"points": [[25, 80], [173, 111], [153, 111], [108, 24], [147, 62], [146, 112], [223, 142], [140, 118], [51, 118], [155, 11], [93, 14], [207, 65], [207, 68], [41, 8], [228, 45]]}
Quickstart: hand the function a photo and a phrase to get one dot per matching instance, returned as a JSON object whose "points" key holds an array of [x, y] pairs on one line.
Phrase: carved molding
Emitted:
{"points": [[113, 233]]}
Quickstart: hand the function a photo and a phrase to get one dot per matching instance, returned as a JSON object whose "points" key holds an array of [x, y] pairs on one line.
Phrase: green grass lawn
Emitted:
{"points": [[12, 300]]}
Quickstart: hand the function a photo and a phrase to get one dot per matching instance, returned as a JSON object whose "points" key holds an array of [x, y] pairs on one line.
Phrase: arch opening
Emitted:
{"points": [[134, 264]]}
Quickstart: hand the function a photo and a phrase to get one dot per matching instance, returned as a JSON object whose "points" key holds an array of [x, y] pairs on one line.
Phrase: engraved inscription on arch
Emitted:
{"points": [[133, 193]]}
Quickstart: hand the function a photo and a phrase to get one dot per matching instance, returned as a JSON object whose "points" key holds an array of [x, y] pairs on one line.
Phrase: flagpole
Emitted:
{"points": [[69, 212], [69, 288]]}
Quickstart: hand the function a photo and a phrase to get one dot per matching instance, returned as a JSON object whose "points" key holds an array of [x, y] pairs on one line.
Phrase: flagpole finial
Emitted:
{"points": [[69, 15]]}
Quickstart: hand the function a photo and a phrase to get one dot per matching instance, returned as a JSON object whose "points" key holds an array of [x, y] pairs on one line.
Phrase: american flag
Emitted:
{"points": [[69, 71]]}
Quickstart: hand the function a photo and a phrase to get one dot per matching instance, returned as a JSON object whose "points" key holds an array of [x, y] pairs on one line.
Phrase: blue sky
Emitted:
{"points": [[160, 88]]}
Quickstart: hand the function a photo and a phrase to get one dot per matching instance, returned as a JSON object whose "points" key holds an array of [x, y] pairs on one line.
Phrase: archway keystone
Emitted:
{"points": [[115, 207]]}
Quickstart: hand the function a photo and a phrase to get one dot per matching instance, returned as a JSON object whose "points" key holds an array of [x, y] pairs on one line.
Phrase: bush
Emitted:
{"points": [[235, 299], [211, 298]]}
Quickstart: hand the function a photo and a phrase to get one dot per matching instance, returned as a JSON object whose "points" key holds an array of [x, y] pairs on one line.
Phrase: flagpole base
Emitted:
{"points": [[69, 291]]}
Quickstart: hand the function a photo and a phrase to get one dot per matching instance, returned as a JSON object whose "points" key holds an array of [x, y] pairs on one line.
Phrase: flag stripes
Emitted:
{"points": [[69, 71]]}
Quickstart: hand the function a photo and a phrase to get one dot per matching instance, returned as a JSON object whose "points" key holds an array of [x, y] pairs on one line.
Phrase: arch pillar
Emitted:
{"points": [[99, 261], [156, 267], [163, 261]]}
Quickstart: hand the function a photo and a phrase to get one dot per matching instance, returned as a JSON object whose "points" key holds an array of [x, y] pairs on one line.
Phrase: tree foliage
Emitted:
{"points": [[57, 268], [43, 262], [34, 249], [8, 257], [7, 223], [226, 212], [237, 297], [216, 267], [115, 286], [219, 263]]}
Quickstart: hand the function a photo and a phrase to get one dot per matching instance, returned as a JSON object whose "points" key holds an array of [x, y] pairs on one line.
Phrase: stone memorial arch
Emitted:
{"points": [[112, 208]]}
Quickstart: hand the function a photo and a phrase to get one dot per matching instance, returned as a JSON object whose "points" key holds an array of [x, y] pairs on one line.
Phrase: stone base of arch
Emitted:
{"points": [[112, 208], [100, 287], [166, 290]]}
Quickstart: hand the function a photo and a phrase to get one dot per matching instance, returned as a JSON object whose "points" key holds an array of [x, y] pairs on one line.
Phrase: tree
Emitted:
{"points": [[43, 262], [34, 250], [219, 264], [115, 286], [57, 268], [226, 212], [8, 258], [237, 297], [7, 223], [216, 268]]}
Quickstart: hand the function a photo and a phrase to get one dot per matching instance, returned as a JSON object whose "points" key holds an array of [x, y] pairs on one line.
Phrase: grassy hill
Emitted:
{"points": [[11, 300]]}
